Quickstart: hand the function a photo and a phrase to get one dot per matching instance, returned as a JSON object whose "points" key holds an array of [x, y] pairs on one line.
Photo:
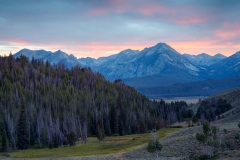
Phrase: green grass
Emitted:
{"points": [[110, 145]]}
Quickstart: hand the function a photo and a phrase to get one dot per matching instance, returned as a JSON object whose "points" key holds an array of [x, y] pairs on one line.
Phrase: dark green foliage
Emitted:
{"points": [[224, 130], [59, 100], [71, 137], [206, 128], [3, 138], [195, 119], [213, 108], [114, 120], [107, 127], [55, 141], [178, 126], [201, 137], [50, 145], [237, 136], [154, 146], [239, 124], [100, 130], [23, 131]]}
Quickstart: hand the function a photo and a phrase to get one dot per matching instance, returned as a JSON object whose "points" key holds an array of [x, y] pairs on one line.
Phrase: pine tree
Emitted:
{"points": [[107, 125], [100, 130], [23, 133], [71, 137], [114, 120], [3, 138]]}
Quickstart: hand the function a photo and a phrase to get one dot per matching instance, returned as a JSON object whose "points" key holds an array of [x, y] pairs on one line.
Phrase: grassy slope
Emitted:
{"points": [[110, 145]]}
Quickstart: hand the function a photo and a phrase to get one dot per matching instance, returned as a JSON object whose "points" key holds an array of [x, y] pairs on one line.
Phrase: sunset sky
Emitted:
{"points": [[95, 28]]}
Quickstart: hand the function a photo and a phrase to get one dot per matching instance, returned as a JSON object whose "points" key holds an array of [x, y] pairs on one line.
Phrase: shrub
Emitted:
{"points": [[225, 131], [178, 126], [236, 136], [154, 146]]}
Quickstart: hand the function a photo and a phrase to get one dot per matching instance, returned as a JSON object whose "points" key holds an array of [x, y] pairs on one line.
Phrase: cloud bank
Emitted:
{"points": [[100, 28]]}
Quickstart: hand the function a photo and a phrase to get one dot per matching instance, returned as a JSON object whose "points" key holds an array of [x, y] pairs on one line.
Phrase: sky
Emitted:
{"points": [[96, 28]]}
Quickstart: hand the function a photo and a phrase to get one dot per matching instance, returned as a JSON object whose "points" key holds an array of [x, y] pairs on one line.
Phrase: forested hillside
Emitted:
{"points": [[47, 106]]}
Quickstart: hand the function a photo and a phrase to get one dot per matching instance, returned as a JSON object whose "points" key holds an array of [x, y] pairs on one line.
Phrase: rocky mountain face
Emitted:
{"points": [[159, 65], [159, 59], [53, 57], [204, 59], [229, 66]]}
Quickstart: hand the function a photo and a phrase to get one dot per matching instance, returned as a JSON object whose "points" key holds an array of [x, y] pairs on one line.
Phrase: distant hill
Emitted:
{"points": [[199, 88]]}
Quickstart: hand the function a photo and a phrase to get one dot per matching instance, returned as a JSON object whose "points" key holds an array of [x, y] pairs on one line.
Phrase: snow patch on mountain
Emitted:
{"points": [[191, 67]]}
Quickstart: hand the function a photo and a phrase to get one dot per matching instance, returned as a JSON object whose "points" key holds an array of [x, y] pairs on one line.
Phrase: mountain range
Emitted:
{"points": [[53, 57], [155, 66]]}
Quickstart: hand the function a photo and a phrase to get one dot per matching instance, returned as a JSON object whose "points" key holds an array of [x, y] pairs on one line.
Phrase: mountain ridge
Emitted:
{"points": [[159, 65]]}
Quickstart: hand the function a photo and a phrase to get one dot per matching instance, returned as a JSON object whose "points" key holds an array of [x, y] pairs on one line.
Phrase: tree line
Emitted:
{"points": [[50, 106]]}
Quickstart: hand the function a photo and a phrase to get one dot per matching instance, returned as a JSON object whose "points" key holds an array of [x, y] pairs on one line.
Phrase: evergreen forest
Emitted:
{"points": [[49, 106]]}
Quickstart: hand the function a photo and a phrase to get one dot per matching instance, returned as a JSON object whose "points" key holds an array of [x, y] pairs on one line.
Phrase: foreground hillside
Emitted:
{"points": [[183, 144], [44, 106]]}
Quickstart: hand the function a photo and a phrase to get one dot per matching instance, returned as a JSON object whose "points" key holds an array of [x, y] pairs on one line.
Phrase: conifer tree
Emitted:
{"points": [[100, 130], [114, 120], [3, 138], [23, 133]]}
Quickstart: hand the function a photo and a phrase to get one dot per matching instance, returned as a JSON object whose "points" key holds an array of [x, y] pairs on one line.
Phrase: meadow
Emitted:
{"points": [[110, 145]]}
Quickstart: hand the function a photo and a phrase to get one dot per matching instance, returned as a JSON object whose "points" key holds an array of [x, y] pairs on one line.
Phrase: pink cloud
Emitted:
{"points": [[188, 20], [16, 41], [179, 16], [97, 12], [209, 46], [228, 30], [150, 9]]}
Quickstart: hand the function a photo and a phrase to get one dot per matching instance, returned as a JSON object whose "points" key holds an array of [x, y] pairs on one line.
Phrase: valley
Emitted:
{"points": [[121, 125], [119, 80], [109, 147], [177, 95], [188, 100]]}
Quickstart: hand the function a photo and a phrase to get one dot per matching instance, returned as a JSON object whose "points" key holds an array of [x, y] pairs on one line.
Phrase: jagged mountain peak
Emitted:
{"points": [[25, 49], [161, 44], [159, 48], [219, 55], [59, 52], [128, 51], [54, 58], [203, 55]]}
